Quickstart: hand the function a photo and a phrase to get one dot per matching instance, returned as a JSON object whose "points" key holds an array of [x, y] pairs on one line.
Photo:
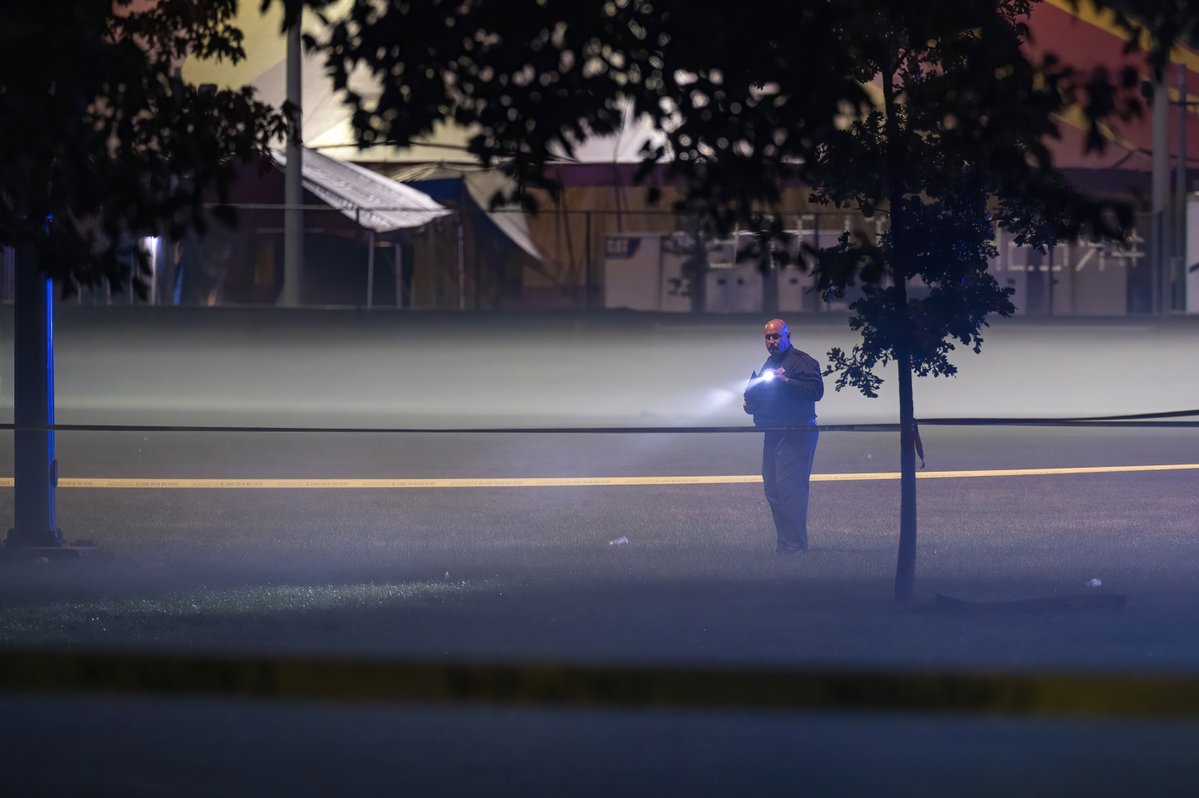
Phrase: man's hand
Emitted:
{"points": [[780, 374]]}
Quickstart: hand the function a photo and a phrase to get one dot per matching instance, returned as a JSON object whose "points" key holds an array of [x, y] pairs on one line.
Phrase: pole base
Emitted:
{"points": [[14, 551], [38, 536]]}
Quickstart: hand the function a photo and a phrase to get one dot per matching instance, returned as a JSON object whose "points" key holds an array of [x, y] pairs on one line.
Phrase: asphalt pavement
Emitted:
{"points": [[255, 748]]}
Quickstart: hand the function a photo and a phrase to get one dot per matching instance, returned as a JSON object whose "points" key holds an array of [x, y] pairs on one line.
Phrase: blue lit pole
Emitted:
{"points": [[35, 469]]}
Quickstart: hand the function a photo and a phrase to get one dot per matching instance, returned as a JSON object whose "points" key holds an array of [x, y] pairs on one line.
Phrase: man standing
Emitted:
{"points": [[784, 394]]}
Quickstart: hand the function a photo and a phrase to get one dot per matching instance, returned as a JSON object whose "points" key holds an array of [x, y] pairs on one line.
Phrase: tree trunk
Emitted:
{"points": [[905, 567]]}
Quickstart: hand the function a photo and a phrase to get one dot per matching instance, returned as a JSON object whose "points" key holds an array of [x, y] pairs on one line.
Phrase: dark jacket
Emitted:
{"points": [[789, 401]]}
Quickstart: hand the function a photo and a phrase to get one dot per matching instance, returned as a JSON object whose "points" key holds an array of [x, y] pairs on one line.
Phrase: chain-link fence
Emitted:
{"points": [[473, 259]]}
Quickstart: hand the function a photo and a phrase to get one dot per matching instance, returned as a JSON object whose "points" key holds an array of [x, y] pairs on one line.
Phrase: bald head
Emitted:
{"points": [[778, 336]]}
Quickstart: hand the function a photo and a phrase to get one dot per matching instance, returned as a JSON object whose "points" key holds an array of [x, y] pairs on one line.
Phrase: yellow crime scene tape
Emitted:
{"points": [[566, 482], [588, 686]]}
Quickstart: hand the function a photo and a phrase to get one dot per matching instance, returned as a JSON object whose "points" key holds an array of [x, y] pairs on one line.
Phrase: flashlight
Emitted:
{"points": [[766, 376]]}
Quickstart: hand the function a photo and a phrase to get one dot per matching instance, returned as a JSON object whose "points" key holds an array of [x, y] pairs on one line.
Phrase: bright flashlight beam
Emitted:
{"points": [[765, 376]]}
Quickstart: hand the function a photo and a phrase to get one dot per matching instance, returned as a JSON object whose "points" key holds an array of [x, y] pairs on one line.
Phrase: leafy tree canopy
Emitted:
{"points": [[956, 148], [1156, 26], [744, 94], [102, 141]]}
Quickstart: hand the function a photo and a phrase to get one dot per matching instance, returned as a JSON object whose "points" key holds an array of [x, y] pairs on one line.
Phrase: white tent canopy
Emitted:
{"points": [[480, 185], [375, 202]]}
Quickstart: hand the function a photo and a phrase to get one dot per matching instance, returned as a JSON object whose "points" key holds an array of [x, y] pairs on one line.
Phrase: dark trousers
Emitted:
{"points": [[786, 468]]}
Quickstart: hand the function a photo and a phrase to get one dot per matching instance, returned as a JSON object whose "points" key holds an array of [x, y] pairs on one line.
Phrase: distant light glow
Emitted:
{"points": [[150, 247]]}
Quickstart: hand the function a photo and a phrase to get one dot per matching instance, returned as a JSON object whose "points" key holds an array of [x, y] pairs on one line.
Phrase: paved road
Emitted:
{"points": [[992, 537], [113, 747]]}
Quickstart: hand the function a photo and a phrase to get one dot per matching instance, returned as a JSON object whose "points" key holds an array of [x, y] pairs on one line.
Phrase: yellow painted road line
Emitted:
{"points": [[571, 482], [1008, 472]]}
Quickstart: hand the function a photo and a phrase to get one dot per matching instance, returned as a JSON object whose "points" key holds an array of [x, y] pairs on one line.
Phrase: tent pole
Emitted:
{"points": [[461, 263], [397, 255], [587, 262], [370, 269]]}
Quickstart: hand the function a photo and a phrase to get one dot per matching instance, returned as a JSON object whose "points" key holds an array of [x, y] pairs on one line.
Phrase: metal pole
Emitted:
{"points": [[397, 259], [35, 469], [9, 257], [823, 301], [1047, 267], [370, 269], [293, 191], [1161, 193], [1178, 267], [770, 278], [1191, 281], [587, 262], [461, 263]]}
